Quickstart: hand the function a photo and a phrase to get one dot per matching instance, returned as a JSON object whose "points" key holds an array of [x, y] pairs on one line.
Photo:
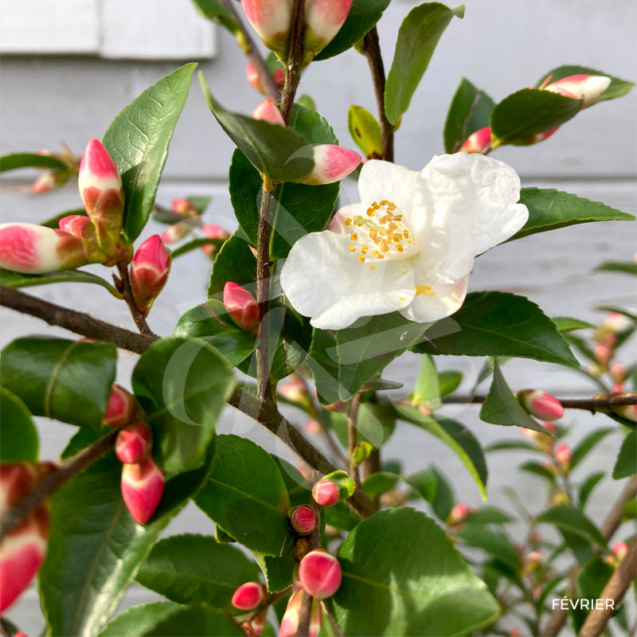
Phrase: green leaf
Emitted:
{"points": [[31, 160], [501, 407], [551, 209], [215, 11], [591, 582], [139, 621], [493, 542], [529, 112], [587, 444], [210, 322], [508, 445], [95, 547], [323, 362], [196, 243], [627, 267], [297, 209], [17, 431], [586, 488], [617, 88], [424, 483], [449, 381], [572, 520], [459, 439], [362, 17], [18, 280], [419, 583], [247, 496], [537, 469], [444, 498], [365, 131], [626, 464], [417, 40], [427, 388], [469, 112], [275, 151], [489, 515], [567, 324], [183, 385], [235, 262], [369, 346], [379, 483], [193, 568], [341, 516], [138, 141], [499, 324], [66, 380]]}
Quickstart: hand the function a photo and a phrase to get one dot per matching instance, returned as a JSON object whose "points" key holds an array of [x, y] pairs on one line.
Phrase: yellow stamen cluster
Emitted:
{"points": [[424, 289]]}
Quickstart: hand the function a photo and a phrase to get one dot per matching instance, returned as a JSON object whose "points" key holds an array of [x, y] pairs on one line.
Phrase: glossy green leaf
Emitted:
{"points": [[587, 487], [572, 520], [18, 280], [31, 160], [626, 464], [275, 151], [567, 324], [427, 388], [247, 496], [323, 361], [235, 262], [362, 17], [183, 385], [138, 140], [341, 516], [493, 542], [538, 469], [419, 583], [424, 484], [551, 209], [210, 322], [510, 445], [379, 483], [470, 111], [139, 621], [417, 39], [499, 324], [489, 515], [449, 381], [365, 131], [66, 380], [617, 88], [18, 433], [196, 569], [588, 444], [297, 209], [627, 267], [196, 244], [215, 11]]}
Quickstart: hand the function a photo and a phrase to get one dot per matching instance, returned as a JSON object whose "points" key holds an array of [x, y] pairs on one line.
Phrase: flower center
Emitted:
{"points": [[382, 233]]}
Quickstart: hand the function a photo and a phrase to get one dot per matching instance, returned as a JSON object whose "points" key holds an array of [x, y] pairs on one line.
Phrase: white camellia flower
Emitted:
{"points": [[409, 245]]}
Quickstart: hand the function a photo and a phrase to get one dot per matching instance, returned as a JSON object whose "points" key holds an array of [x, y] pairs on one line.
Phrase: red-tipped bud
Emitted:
{"points": [[617, 323], [324, 19], [249, 595], [214, 232], [563, 455], [320, 574], [603, 354], [534, 559], [326, 493], [294, 390], [302, 519], [331, 164], [142, 488], [618, 372], [515, 632], [271, 20], [312, 427], [581, 87], [149, 272], [177, 232], [258, 623], [268, 111], [241, 306], [121, 408], [541, 404], [620, 549], [290, 622], [255, 81], [459, 513], [478, 142], [49, 181], [184, 207], [133, 443]]}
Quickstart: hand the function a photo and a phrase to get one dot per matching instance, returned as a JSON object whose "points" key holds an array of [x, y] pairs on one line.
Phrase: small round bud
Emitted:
{"points": [[459, 513], [133, 443], [541, 404], [301, 548], [268, 111], [620, 549], [478, 142], [249, 595], [302, 519], [320, 574], [142, 489], [121, 408], [149, 272], [241, 306], [326, 493]]}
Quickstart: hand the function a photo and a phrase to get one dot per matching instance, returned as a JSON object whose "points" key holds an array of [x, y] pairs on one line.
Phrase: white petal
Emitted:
{"points": [[381, 180], [326, 282], [482, 192], [438, 302], [337, 224]]}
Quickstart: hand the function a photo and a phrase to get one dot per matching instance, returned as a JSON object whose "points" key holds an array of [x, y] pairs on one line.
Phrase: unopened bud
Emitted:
{"points": [[629, 412], [324, 19], [459, 513], [241, 306], [177, 232], [563, 455], [249, 595], [258, 623], [312, 427], [214, 232], [133, 443], [121, 408], [255, 81], [478, 142], [290, 621], [333, 488], [184, 207], [301, 548], [48, 181], [149, 272], [620, 549], [271, 20], [294, 390], [320, 574], [581, 87], [302, 519], [515, 632], [617, 323], [618, 372], [541, 404], [603, 354], [268, 111], [331, 164], [362, 452], [142, 489], [533, 560]]}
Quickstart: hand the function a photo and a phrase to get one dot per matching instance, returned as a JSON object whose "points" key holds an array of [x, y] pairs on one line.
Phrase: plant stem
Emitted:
{"points": [[295, 59], [587, 404], [305, 614], [127, 291], [272, 598], [352, 435]]}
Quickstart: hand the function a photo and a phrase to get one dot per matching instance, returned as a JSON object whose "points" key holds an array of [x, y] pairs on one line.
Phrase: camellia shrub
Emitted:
{"points": [[308, 302]]}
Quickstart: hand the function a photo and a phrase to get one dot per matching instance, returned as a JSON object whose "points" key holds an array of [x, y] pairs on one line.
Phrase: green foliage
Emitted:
{"points": [[574, 521], [31, 160], [626, 464], [195, 244], [215, 11], [18, 280], [17, 431], [365, 131], [627, 267], [588, 444], [496, 543]]}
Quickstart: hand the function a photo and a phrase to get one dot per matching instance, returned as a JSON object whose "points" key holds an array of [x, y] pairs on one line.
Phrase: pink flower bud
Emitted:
{"points": [[515, 632], [255, 80], [49, 181], [184, 207], [534, 559], [258, 623], [620, 549], [618, 372], [142, 488], [241, 306], [563, 454], [617, 323], [324, 19], [33, 249], [541, 404], [268, 111], [582, 87], [302, 519], [603, 354], [326, 493], [271, 20], [177, 232], [133, 443], [629, 412], [214, 232], [459, 513], [121, 408], [320, 574], [149, 272], [478, 142], [331, 164], [290, 622], [549, 426], [312, 427], [249, 595], [294, 390]]}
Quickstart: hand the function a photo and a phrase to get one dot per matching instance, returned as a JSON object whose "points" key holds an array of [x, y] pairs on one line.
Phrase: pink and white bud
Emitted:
{"points": [[242, 307], [629, 412], [121, 408], [515, 632], [312, 427], [478, 142], [302, 519], [323, 20], [33, 249], [133, 443], [603, 354], [618, 372], [534, 559], [177, 232], [582, 87], [214, 232], [48, 181], [255, 81], [258, 623], [290, 621], [271, 20], [320, 574], [249, 595], [149, 272], [620, 549], [541, 404], [326, 493], [563, 455], [294, 390], [617, 323], [459, 513], [184, 207], [142, 489], [268, 111], [331, 164]]}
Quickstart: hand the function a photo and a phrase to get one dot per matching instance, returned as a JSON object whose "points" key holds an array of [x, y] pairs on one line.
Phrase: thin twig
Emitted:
{"points": [[587, 404], [270, 599], [352, 438], [295, 59], [127, 291]]}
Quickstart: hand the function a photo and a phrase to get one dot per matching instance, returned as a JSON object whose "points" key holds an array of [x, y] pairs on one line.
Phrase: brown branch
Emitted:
{"points": [[616, 588], [127, 291], [270, 599], [587, 404], [295, 59], [47, 486], [352, 435], [377, 68]]}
